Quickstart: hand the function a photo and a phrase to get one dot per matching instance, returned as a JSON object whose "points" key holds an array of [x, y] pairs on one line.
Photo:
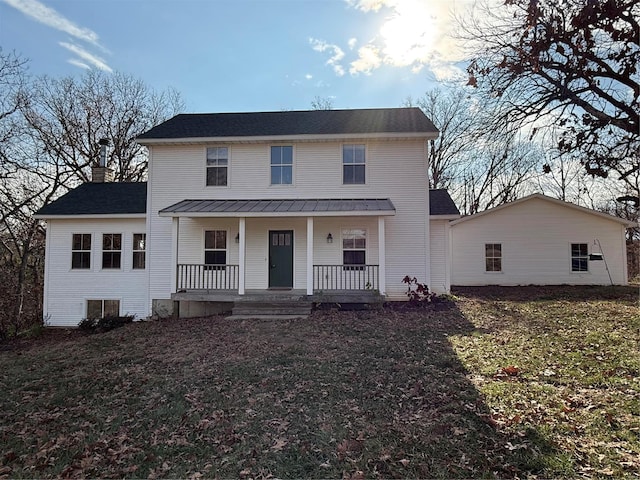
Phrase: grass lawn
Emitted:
{"points": [[502, 383]]}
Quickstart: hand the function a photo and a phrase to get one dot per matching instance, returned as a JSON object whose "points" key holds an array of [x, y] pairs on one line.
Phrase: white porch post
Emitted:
{"points": [[382, 257], [309, 255], [241, 254], [175, 234]]}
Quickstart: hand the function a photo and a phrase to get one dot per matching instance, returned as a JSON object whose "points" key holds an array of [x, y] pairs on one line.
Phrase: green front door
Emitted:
{"points": [[280, 258]]}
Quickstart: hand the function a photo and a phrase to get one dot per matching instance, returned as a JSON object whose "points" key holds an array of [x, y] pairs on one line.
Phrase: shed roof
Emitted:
{"points": [[289, 123], [281, 207], [554, 201], [441, 203]]}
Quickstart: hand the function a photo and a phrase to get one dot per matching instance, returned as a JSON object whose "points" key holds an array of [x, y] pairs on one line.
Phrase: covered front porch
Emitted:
{"points": [[226, 250]]}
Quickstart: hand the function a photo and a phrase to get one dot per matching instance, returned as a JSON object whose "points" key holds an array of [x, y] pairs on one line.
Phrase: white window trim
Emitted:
{"points": [[91, 259], [293, 165], [366, 243], [204, 242], [86, 304], [484, 251], [571, 257], [366, 169], [134, 251], [102, 250], [228, 185]]}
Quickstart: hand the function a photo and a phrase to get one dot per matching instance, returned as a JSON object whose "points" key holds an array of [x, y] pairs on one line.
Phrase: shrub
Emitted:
{"points": [[104, 324], [416, 291]]}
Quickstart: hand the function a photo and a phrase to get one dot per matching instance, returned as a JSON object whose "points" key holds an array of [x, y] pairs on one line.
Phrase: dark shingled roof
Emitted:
{"points": [[112, 198], [440, 203], [108, 198], [309, 122]]}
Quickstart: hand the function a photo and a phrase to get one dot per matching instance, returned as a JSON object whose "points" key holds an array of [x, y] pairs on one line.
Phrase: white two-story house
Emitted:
{"points": [[312, 203]]}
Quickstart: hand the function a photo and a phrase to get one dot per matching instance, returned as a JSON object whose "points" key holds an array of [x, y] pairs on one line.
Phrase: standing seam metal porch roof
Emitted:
{"points": [[267, 207]]}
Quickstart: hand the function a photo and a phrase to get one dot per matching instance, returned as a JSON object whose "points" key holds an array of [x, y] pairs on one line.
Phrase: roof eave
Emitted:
{"points": [[72, 216], [281, 138], [444, 217]]}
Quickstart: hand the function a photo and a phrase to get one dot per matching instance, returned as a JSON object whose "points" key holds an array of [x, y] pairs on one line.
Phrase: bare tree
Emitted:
{"points": [[570, 65], [321, 103]]}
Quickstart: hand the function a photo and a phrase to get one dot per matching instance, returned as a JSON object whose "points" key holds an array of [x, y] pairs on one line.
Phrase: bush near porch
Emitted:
{"points": [[509, 382]]}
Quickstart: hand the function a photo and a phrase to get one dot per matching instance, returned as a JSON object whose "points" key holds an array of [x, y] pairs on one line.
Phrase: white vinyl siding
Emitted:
{"points": [[536, 237], [317, 174], [67, 290], [439, 250]]}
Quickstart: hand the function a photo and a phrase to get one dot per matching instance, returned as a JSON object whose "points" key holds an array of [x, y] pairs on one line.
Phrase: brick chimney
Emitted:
{"points": [[101, 173]]}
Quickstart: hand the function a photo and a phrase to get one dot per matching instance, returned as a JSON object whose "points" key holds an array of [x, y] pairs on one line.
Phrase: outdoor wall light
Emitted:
{"points": [[329, 238], [238, 238]]}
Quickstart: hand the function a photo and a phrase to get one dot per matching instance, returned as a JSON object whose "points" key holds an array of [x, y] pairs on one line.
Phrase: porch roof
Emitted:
{"points": [[299, 207]]}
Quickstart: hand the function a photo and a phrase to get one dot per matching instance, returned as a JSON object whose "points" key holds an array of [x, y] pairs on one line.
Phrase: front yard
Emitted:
{"points": [[503, 383]]}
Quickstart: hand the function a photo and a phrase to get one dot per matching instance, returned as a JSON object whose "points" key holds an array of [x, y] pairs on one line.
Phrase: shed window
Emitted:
{"points": [[493, 257], [579, 257]]}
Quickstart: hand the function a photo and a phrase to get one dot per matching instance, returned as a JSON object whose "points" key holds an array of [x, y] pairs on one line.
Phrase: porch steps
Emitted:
{"points": [[271, 308]]}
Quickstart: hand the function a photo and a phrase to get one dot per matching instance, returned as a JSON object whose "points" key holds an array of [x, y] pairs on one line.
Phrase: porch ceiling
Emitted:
{"points": [[310, 207]]}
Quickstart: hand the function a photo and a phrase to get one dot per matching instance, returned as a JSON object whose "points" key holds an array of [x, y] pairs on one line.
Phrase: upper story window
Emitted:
{"points": [[111, 250], [282, 165], [493, 257], [139, 249], [579, 257], [217, 166], [353, 164], [81, 251]]}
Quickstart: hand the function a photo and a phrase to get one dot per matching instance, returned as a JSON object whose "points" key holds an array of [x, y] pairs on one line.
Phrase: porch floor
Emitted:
{"points": [[279, 295]]}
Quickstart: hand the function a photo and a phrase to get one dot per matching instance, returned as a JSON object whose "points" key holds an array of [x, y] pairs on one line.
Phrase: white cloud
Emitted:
{"points": [[308, 76], [368, 60], [337, 54], [41, 13], [48, 16], [78, 63], [414, 34], [87, 56]]}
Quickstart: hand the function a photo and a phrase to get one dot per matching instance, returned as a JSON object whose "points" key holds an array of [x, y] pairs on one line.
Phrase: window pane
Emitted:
{"points": [[112, 308], [276, 155], [358, 154], [117, 241], [347, 154], [287, 175], [348, 243], [276, 175], [497, 264], [81, 260], [138, 260], [358, 174], [221, 239], [106, 242], [210, 239], [215, 257], [353, 257], [94, 308], [110, 259], [76, 244], [139, 241], [287, 155], [348, 174]]}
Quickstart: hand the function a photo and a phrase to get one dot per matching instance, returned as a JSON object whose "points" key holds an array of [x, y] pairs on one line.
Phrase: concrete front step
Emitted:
{"points": [[267, 317], [271, 307]]}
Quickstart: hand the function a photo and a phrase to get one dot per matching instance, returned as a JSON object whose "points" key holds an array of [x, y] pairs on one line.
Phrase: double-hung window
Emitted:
{"points": [[139, 248], [215, 249], [493, 257], [81, 251], [111, 250], [353, 164], [217, 166], [103, 308], [354, 248], [579, 257], [282, 165]]}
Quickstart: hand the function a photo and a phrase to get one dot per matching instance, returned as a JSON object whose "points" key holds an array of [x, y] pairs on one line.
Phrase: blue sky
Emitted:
{"points": [[245, 55]]}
